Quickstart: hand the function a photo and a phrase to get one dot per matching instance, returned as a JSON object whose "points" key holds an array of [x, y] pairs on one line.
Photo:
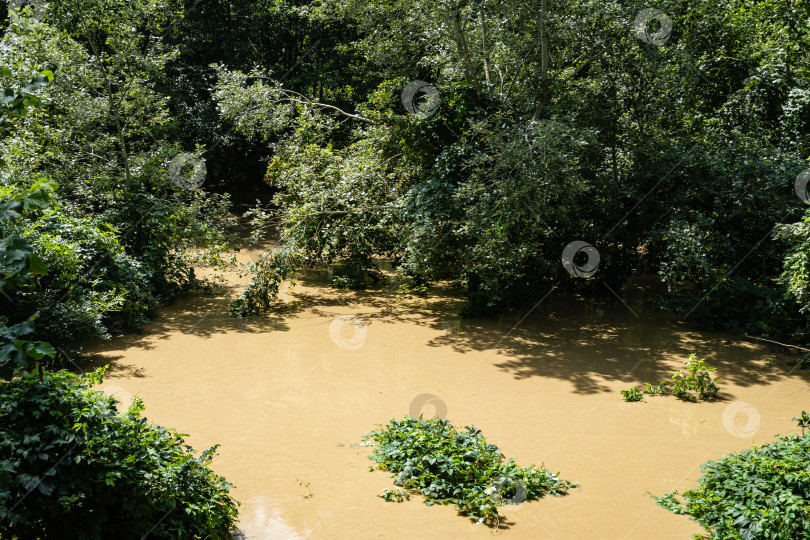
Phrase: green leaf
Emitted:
{"points": [[41, 349], [36, 265], [9, 210], [36, 199], [44, 488]]}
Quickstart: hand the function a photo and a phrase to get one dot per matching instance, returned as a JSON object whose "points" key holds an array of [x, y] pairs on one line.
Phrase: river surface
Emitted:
{"points": [[289, 396]]}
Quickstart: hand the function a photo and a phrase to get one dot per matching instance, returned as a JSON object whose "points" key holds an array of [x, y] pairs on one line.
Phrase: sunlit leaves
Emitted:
{"points": [[450, 466], [67, 457], [757, 494]]}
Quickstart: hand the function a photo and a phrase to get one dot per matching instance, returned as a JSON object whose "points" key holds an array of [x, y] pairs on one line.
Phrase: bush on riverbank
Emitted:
{"points": [[69, 462], [762, 493]]}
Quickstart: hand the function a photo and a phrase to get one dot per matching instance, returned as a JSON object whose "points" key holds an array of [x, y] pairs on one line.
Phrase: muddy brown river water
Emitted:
{"points": [[289, 396]]}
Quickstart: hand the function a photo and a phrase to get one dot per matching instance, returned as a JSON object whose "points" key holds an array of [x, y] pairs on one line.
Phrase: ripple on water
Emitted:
{"points": [[259, 519]]}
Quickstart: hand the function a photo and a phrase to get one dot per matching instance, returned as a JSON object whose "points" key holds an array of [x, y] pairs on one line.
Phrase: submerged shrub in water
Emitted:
{"points": [[633, 394], [447, 466], [695, 385], [761, 493]]}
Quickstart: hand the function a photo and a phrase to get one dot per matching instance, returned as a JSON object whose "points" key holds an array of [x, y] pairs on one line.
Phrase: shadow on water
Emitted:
{"points": [[592, 342], [585, 342]]}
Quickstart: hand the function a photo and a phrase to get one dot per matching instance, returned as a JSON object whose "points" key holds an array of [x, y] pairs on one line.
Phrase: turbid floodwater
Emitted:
{"points": [[289, 396]]}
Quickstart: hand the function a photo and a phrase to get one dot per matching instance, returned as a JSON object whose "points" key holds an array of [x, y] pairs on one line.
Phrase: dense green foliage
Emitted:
{"points": [[268, 273], [696, 384], [759, 493], [119, 236], [675, 157], [671, 154], [19, 264], [448, 466], [72, 466]]}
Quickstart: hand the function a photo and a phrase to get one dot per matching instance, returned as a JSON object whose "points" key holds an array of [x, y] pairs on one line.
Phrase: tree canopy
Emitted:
{"points": [[508, 147]]}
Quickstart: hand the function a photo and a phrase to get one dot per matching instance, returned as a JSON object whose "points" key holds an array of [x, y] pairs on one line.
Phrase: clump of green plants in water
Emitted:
{"points": [[418, 290], [268, 273], [760, 493], [803, 421], [70, 462], [396, 495], [696, 384], [633, 394], [449, 466], [341, 282], [351, 275]]}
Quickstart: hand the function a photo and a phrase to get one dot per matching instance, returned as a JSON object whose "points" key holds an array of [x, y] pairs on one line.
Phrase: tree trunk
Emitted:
{"points": [[545, 93], [464, 53], [484, 44], [114, 112], [119, 129]]}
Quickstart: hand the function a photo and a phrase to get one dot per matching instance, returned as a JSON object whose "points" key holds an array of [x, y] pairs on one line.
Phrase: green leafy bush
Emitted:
{"points": [[633, 394], [695, 385], [803, 421], [15, 103], [415, 289], [763, 493], [16, 352], [120, 235], [350, 275], [267, 275], [70, 462], [450, 467], [341, 282]]}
